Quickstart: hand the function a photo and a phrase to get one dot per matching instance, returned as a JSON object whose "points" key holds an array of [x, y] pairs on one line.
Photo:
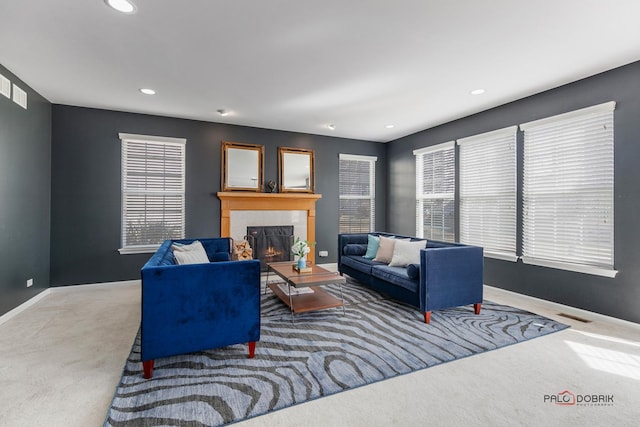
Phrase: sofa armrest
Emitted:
{"points": [[450, 276]]}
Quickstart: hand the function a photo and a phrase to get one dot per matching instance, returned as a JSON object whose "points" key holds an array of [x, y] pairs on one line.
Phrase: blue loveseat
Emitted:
{"points": [[194, 307], [449, 274]]}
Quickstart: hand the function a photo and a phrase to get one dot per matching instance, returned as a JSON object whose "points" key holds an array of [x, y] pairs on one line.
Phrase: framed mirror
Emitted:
{"points": [[296, 172], [242, 166]]}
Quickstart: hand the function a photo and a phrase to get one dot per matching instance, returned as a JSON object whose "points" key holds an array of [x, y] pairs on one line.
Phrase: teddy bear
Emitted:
{"points": [[242, 251]]}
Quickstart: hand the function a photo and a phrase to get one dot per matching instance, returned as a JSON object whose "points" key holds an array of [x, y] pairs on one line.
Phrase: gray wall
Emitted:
{"points": [[615, 297], [73, 183], [25, 155], [86, 201]]}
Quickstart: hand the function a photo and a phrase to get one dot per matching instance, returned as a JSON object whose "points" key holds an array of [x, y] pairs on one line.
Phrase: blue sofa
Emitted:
{"points": [[449, 274], [194, 307]]}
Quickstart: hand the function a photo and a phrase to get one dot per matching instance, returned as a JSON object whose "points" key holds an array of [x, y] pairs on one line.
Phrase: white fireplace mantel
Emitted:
{"points": [[248, 201]]}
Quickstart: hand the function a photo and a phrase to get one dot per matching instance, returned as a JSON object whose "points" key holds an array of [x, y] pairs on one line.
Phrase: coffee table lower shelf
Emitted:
{"points": [[318, 300]]}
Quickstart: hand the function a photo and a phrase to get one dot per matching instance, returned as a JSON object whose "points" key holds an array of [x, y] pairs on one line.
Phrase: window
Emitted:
{"points": [[357, 193], [568, 191], [153, 175], [488, 192], [435, 188]]}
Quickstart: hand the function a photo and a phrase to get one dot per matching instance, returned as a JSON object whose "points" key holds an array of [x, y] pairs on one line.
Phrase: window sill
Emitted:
{"points": [[501, 256], [146, 249], [587, 269]]}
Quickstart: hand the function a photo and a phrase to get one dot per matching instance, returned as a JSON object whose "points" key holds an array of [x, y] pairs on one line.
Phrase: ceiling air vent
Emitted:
{"points": [[19, 97], [5, 86]]}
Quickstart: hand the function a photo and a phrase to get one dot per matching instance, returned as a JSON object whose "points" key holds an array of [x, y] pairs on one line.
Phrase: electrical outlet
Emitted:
{"points": [[29, 283], [323, 253]]}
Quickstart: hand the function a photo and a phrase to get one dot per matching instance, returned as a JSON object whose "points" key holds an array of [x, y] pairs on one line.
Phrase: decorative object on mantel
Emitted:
{"points": [[300, 249], [271, 186], [242, 167], [296, 170]]}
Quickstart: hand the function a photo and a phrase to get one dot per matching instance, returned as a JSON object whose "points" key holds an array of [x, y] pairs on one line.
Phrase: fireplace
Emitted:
{"points": [[239, 209], [270, 243]]}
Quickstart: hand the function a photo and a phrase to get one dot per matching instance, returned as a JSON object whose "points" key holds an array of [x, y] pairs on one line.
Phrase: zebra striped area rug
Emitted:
{"points": [[321, 353]]}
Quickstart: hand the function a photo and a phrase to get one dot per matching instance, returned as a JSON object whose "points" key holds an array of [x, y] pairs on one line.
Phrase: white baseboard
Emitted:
{"points": [[59, 289], [22, 307], [567, 309]]}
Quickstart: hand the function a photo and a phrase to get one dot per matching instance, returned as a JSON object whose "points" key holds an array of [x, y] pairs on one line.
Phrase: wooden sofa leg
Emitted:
{"points": [[252, 349], [427, 317], [147, 366], [476, 308]]}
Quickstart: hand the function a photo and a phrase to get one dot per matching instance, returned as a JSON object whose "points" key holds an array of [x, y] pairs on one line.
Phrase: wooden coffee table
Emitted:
{"points": [[301, 302]]}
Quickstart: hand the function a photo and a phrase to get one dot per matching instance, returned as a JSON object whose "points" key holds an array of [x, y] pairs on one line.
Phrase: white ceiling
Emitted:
{"points": [[300, 65]]}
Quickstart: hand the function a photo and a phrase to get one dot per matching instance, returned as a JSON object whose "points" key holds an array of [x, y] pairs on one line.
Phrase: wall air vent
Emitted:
{"points": [[19, 96], [5, 86]]}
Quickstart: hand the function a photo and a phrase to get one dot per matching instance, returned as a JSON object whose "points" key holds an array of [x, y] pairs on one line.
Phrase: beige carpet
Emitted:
{"points": [[61, 358]]}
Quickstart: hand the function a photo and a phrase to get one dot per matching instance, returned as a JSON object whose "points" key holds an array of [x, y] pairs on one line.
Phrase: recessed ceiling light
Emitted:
{"points": [[331, 126], [222, 112], [390, 126], [477, 92], [148, 91], [124, 6]]}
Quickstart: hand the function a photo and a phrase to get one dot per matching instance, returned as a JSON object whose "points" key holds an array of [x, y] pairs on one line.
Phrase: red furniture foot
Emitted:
{"points": [[147, 366], [252, 349], [476, 308], [427, 317]]}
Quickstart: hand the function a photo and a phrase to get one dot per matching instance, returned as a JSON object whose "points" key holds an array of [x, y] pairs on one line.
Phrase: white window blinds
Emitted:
{"points": [[568, 191], [487, 178], [357, 193], [435, 191], [153, 182]]}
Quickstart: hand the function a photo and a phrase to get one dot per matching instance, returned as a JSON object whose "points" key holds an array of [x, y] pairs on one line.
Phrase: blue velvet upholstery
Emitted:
{"points": [[449, 274], [220, 256], [413, 271], [354, 249], [188, 308], [360, 263], [395, 275]]}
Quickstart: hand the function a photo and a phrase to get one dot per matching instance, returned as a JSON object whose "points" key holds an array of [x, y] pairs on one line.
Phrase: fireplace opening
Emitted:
{"points": [[270, 243]]}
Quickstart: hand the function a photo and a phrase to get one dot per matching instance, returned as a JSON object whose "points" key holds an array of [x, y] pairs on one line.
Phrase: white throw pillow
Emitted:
{"points": [[405, 253], [193, 253]]}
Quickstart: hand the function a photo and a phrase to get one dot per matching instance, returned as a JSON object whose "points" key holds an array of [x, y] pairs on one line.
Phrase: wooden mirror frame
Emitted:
{"points": [[259, 167], [282, 152]]}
